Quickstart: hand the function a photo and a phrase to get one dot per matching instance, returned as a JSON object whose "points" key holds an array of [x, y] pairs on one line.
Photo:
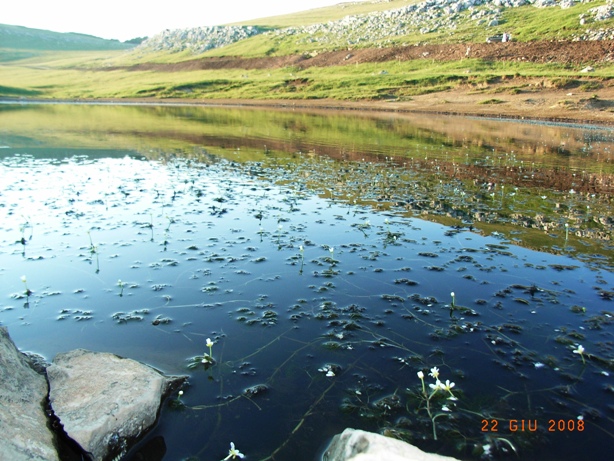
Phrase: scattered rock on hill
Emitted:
{"points": [[381, 28], [197, 39]]}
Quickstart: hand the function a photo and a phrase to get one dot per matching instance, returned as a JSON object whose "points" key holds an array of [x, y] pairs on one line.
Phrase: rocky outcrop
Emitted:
{"points": [[23, 393], [197, 39], [418, 18], [105, 402], [357, 445], [379, 27]]}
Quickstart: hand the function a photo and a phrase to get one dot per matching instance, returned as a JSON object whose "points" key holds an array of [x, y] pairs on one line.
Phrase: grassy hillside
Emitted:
{"points": [[24, 38], [44, 64], [525, 23]]}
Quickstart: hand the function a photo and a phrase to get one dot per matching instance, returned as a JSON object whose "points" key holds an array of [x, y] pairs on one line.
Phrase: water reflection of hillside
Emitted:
{"points": [[547, 187]]}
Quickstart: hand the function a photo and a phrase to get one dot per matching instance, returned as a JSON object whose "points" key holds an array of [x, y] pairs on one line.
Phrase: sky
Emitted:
{"points": [[126, 19]]}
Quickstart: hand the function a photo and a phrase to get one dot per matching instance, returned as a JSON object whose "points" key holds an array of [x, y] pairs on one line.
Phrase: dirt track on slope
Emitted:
{"points": [[584, 99], [572, 53]]}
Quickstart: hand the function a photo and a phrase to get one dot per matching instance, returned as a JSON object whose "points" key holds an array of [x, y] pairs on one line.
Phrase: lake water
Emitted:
{"points": [[329, 257]]}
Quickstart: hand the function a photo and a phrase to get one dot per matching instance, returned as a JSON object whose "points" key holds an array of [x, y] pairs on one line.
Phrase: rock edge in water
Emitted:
{"points": [[23, 394], [357, 445], [104, 402]]}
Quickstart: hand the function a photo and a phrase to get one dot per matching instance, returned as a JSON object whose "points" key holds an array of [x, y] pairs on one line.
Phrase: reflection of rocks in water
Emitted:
{"points": [[154, 450]]}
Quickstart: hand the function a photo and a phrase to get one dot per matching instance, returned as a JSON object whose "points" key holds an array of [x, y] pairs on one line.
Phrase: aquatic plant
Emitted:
{"points": [[22, 229], [233, 453], [93, 251], [121, 285], [437, 389], [177, 403], [208, 358], [452, 304], [205, 360], [302, 254], [170, 221], [93, 247], [27, 291], [580, 351]]}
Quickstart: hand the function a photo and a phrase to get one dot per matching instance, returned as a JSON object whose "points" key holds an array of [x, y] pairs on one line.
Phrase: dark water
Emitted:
{"points": [[319, 252]]}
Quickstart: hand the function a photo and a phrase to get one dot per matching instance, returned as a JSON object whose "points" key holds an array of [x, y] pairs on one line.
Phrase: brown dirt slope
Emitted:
{"points": [[573, 53]]}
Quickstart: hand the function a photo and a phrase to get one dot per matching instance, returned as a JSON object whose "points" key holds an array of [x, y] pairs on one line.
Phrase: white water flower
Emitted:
{"points": [[233, 453], [434, 373], [420, 374], [209, 343], [447, 386], [579, 350]]}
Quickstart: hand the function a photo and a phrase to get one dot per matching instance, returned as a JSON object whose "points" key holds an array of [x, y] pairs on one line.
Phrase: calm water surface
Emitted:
{"points": [[330, 257]]}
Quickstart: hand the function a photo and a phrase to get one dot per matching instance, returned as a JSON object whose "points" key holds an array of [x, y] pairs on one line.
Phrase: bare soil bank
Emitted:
{"points": [[510, 96], [538, 102], [563, 52]]}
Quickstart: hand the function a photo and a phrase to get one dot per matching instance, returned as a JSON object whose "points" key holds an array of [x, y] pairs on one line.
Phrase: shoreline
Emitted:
{"points": [[463, 104]]}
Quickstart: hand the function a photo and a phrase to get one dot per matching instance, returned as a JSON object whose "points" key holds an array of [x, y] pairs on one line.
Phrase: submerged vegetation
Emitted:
{"points": [[386, 279]]}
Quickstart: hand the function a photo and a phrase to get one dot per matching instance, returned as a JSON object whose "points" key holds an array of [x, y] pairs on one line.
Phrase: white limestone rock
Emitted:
{"points": [[357, 445], [23, 423], [103, 401]]}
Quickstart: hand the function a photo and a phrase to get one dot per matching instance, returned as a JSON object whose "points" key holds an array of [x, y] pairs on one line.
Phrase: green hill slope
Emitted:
{"points": [[24, 38], [394, 23]]}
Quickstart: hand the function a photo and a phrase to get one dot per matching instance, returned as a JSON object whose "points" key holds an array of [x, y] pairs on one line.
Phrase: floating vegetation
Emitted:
{"points": [[299, 284], [125, 317]]}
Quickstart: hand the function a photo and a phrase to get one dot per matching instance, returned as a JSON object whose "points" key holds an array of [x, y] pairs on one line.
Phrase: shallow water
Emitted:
{"points": [[319, 253]]}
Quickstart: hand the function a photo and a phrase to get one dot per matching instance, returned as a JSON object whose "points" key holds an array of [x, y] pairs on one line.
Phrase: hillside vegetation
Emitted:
{"points": [[388, 51], [384, 24], [24, 38]]}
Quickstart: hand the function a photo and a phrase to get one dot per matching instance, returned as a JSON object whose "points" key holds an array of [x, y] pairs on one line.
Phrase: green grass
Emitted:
{"points": [[81, 74], [526, 23], [24, 38], [62, 76], [11, 91]]}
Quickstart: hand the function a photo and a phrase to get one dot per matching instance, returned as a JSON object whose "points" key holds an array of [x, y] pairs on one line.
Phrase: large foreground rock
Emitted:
{"points": [[23, 423], [356, 445], [104, 401]]}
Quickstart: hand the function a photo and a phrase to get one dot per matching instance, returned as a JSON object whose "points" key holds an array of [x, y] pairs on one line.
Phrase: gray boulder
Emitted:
{"points": [[103, 401], [357, 445], [23, 423]]}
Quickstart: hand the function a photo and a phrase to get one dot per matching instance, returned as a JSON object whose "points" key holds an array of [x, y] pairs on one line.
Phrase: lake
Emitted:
{"points": [[338, 264]]}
